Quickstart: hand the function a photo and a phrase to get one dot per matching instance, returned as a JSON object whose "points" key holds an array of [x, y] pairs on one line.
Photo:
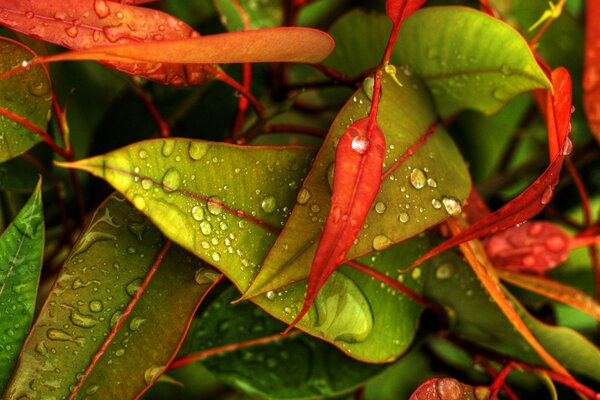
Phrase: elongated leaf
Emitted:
{"points": [[285, 44], [476, 62], [293, 366], [399, 10], [452, 283], [229, 214], [449, 389], [591, 72], [358, 158], [113, 320], [21, 249], [25, 95], [535, 197], [419, 188], [82, 24]]}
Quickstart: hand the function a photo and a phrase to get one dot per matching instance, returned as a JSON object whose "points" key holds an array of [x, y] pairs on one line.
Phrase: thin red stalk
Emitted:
{"points": [[163, 126], [485, 6], [44, 135], [492, 372], [585, 200], [180, 362], [555, 376], [499, 380], [122, 319], [416, 145], [332, 73], [282, 128], [243, 101], [223, 77], [360, 393], [581, 241]]}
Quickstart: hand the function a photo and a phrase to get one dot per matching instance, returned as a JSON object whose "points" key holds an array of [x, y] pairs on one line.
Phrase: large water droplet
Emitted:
{"points": [[567, 147], [206, 228], [101, 8], [268, 204], [136, 323], [360, 144], [417, 178], [556, 243], [197, 150], [380, 207], [198, 213], [82, 320], [547, 195], [171, 180], [403, 217], [168, 147], [303, 196], [271, 295], [452, 205], [381, 242], [133, 286], [436, 203], [147, 183], [215, 205], [96, 306], [72, 31]]}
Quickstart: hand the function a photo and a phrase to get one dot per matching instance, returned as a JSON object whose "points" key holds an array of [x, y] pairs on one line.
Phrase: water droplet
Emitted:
{"points": [[431, 183], [60, 335], [271, 295], [139, 202], [452, 205], [133, 286], [101, 8], [216, 256], [72, 31], [381, 242], [567, 147], [29, 14], [416, 273], [168, 147], [380, 207], [152, 373], [556, 243], [115, 319], [368, 85], [315, 208], [506, 70], [82, 320], [147, 183], [215, 205], [96, 306], [528, 261], [143, 154], [360, 144], [198, 213], [403, 217], [547, 195], [206, 228], [268, 204], [136, 322], [445, 271], [197, 150], [436, 203], [171, 180], [120, 352], [417, 178], [303, 196], [92, 389]]}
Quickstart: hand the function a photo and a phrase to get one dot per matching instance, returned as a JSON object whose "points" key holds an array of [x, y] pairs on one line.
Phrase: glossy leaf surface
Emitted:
{"points": [[21, 249], [452, 283], [418, 188], [85, 342], [79, 24], [591, 72], [292, 366], [476, 62], [398, 10], [229, 214], [26, 95]]}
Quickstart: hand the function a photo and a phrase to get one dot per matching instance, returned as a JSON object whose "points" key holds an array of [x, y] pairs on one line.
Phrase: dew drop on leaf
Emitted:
{"points": [[96, 306], [151, 373], [215, 205], [271, 295], [368, 86], [360, 144], [381, 242], [268, 204], [101, 8], [567, 147], [444, 271], [206, 228], [168, 147], [171, 180], [136, 323], [380, 207], [436, 203], [547, 195], [417, 178], [198, 213], [303, 196], [452, 205], [197, 150], [403, 217]]}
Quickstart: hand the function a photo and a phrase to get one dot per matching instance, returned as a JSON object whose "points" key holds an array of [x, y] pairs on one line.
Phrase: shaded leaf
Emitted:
{"points": [[25, 94], [113, 320], [235, 13], [229, 214], [477, 62], [293, 366], [358, 158], [449, 389], [21, 250], [530, 247], [418, 189], [453, 284], [82, 24]]}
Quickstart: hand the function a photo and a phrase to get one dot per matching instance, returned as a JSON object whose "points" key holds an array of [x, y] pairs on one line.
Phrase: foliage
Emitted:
{"points": [[322, 169]]}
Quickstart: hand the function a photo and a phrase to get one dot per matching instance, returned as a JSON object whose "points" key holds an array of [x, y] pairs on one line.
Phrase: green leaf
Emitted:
{"points": [[21, 249], [227, 203], [290, 367], [452, 283], [84, 340], [25, 94], [415, 193], [259, 14], [468, 59]]}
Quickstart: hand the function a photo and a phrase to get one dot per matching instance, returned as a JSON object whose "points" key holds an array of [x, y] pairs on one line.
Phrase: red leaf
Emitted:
{"points": [[531, 247], [448, 389], [535, 197], [591, 70], [82, 24], [357, 177], [399, 10]]}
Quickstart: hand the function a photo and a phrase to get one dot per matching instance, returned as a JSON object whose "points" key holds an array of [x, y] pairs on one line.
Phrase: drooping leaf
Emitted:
{"points": [[418, 188], [26, 95], [229, 213], [116, 314], [399, 10], [476, 62], [449, 389], [236, 14], [283, 44], [292, 366], [534, 247], [535, 197], [82, 24], [358, 158], [21, 249], [452, 283]]}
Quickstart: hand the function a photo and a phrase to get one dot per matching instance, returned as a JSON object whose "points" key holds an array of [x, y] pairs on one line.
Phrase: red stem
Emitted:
{"points": [[163, 126], [223, 77], [282, 128], [499, 380], [243, 101]]}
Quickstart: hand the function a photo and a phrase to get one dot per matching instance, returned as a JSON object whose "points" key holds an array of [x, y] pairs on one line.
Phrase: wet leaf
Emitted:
{"points": [[83, 24], [257, 15], [229, 214], [112, 321], [292, 366], [534, 247], [26, 95], [21, 249], [591, 72], [452, 283], [418, 188], [449, 389], [476, 62], [399, 10]]}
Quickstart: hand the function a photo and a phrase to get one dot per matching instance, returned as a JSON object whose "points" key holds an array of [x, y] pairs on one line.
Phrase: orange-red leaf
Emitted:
{"points": [[399, 10], [535, 197], [448, 389], [591, 69], [82, 24], [357, 177], [531, 247]]}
